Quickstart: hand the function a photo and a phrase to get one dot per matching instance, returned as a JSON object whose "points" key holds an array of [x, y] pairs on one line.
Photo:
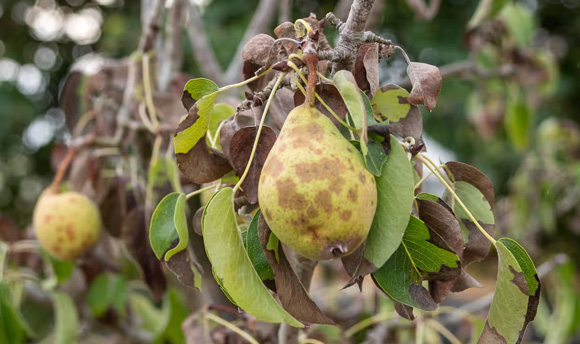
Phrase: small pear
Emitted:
{"points": [[315, 191], [66, 224]]}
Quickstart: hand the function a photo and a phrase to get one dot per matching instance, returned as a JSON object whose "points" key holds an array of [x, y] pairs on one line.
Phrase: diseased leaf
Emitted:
{"points": [[366, 67], [195, 89], [390, 104], [477, 246], [346, 85], [413, 261], [445, 233], [289, 289], [135, 237], [516, 297], [190, 132], [280, 107], [199, 163], [231, 264], [369, 110], [466, 173], [255, 252], [67, 324], [188, 271], [426, 80], [240, 150], [331, 97], [395, 193]]}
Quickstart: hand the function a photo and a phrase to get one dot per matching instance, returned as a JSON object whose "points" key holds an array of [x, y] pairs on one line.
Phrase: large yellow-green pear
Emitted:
{"points": [[315, 192], [66, 224]]}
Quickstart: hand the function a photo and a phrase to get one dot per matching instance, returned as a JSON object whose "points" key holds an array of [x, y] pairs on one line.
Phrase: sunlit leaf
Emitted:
{"points": [[188, 137], [390, 104], [231, 264], [346, 85]]}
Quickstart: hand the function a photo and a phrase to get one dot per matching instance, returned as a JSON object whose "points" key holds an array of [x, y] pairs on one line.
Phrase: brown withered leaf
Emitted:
{"points": [[366, 68], [136, 239], [490, 336], [426, 80], [477, 246], [196, 221], [403, 310], [249, 70], [281, 106], [115, 206], [257, 49], [331, 97], [72, 105], [411, 125], [444, 230], [240, 150], [357, 267], [186, 270], [289, 289], [467, 173], [465, 281], [201, 164]]}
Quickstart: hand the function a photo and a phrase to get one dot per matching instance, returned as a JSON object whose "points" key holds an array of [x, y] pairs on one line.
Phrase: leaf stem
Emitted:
{"points": [[262, 120], [324, 78], [442, 175], [232, 327], [245, 82], [427, 176], [198, 191], [421, 158], [149, 91], [361, 325]]}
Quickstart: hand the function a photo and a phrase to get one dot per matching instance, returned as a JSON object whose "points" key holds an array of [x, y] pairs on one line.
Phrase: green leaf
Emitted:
{"points": [[516, 296], [401, 276], [231, 264], [371, 120], [518, 122], [11, 330], [180, 223], [168, 224], [66, 319], [390, 104], [152, 319], [255, 252], [107, 291], [520, 23], [177, 314], [395, 193], [346, 85], [375, 158], [200, 87], [220, 112], [186, 139]]}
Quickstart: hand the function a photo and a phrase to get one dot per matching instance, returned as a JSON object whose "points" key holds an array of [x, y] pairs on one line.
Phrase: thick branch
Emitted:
{"points": [[261, 20]]}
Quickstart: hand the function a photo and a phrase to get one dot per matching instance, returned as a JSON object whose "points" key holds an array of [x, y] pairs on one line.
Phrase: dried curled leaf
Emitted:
{"points": [[366, 68], [239, 154], [257, 49], [426, 80], [201, 164]]}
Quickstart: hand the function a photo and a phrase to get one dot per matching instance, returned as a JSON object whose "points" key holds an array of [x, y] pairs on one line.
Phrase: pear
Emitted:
{"points": [[315, 192], [66, 224]]}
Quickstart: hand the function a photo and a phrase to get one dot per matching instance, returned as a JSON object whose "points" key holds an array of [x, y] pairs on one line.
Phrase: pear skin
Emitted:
{"points": [[66, 224], [315, 191]]}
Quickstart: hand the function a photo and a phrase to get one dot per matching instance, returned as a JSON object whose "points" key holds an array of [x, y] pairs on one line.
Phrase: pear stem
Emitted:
{"points": [[62, 169], [254, 148]]}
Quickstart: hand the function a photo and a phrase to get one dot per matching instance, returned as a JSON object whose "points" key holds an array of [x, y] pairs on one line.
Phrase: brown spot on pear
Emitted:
{"points": [[71, 213], [320, 171]]}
